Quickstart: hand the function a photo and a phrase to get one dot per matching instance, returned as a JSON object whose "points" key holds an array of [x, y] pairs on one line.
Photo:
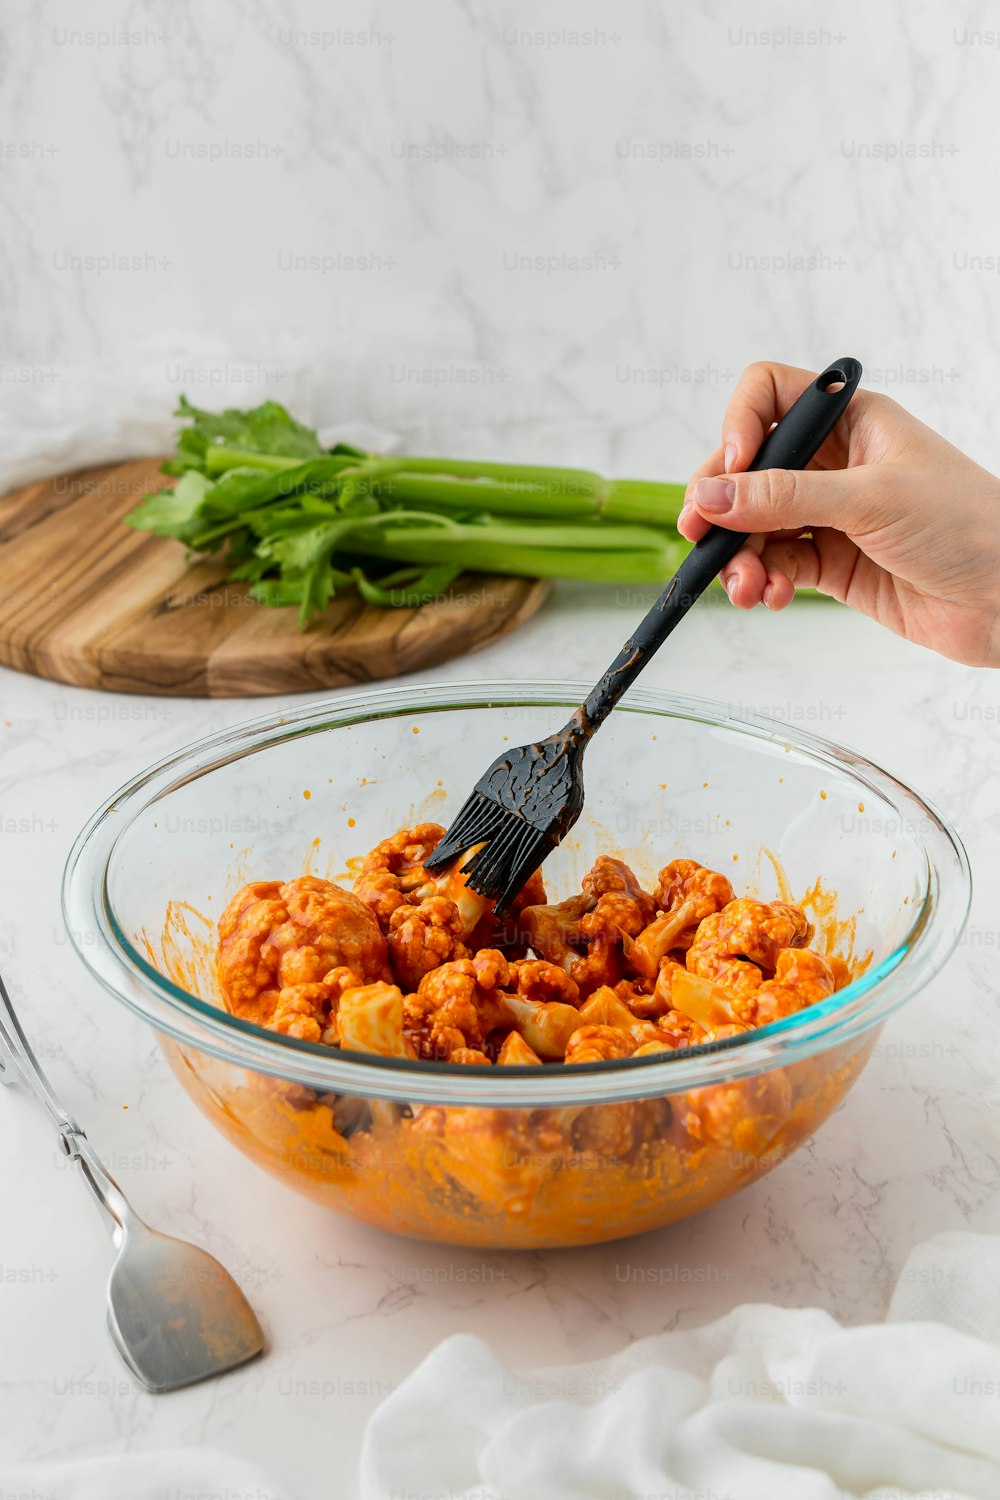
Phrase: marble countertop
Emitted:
{"points": [[349, 1310]]}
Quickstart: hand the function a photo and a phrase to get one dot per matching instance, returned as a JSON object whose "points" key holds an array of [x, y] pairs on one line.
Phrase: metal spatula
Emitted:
{"points": [[175, 1314]]}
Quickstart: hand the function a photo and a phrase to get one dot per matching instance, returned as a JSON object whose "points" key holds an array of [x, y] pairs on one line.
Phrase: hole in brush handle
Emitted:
{"points": [[808, 422]]}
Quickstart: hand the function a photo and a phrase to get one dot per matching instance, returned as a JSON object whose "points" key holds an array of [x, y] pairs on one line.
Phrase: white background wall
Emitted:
{"points": [[338, 205]]}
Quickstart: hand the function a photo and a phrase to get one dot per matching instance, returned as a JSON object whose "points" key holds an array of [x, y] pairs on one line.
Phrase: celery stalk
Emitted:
{"points": [[298, 520]]}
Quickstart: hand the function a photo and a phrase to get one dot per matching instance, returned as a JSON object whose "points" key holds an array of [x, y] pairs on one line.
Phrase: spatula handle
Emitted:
{"points": [[790, 445], [16, 1052]]}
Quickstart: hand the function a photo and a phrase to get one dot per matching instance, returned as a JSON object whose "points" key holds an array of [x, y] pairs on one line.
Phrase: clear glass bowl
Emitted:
{"points": [[515, 1156]]}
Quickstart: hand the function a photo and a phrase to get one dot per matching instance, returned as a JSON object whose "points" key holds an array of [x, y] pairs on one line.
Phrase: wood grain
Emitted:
{"points": [[87, 600]]}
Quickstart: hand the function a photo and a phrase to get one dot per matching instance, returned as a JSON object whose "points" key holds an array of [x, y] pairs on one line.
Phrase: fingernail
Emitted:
{"points": [[729, 585], [731, 451], [768, 594], [715, 494]]}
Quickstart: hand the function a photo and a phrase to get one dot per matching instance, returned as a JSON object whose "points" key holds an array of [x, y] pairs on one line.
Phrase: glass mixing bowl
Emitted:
{"points": [[515, 1156]]}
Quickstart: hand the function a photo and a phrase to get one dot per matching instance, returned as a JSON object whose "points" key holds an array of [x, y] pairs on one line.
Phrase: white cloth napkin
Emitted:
{"points": [[187, 1473], [764, 1404]]}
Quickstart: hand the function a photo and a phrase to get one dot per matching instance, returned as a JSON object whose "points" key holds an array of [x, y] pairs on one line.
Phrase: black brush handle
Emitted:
{"points": [[790, 445]]}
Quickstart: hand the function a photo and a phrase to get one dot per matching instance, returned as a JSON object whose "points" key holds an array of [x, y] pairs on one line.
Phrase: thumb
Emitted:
{"points": [[789, 499]]}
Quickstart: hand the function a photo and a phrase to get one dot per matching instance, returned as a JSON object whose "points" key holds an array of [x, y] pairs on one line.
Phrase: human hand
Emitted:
{"points": [[888, 518]]}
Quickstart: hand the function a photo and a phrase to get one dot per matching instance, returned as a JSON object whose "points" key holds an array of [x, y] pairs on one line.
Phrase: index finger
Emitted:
{"points": [[763, 394]]}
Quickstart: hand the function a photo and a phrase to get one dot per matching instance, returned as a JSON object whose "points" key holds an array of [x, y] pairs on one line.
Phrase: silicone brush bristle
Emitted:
{"points": [[500, 868], [479, 819]]}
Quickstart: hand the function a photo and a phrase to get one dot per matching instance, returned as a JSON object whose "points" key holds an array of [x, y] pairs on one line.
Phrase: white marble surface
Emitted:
{"points": [[672, 149]]}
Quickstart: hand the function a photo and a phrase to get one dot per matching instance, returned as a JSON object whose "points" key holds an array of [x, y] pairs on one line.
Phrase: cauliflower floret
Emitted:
{"points": [[745, 1116], [552, 930], [708, 957], [644, 954], [584, 935], [404, 852], [733, 946], [394, 869], [246, 961], [607, 875], [688, 893], [679, 1030], [801, 977], [758, 930], [613, 923], [325, 928], [683, 882], [309, 1011], [274, 937], [536, 979], [608, 1130], [458, 1005], [423, 937], [598, 1044], [380, 892], [491, 969], [302, 1011], [544, 1009], [393, 874]]}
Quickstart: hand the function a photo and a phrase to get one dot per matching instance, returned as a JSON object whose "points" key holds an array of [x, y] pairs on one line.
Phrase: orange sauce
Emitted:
{"points": [[513, 1177]]}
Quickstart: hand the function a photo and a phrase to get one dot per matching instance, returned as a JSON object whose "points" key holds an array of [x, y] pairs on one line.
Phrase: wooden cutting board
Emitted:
{"points": [[86, 600]]}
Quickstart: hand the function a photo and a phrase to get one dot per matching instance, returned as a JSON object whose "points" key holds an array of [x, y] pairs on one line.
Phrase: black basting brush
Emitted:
{"points": [[529, 799]]}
